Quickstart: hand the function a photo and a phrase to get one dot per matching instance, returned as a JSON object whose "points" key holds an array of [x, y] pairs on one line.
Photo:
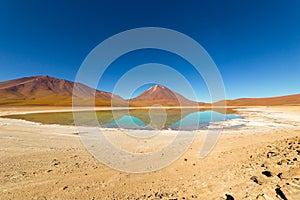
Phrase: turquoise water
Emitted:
{"points": [[198, 120], [127, 122], [177, 119], [192, 121]]}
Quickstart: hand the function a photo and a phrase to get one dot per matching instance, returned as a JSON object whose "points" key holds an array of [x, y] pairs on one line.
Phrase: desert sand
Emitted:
{"points": [[257, 158]]}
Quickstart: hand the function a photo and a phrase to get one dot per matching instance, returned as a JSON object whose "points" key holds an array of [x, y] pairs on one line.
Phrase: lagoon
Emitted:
{"points": [[175, 119]]}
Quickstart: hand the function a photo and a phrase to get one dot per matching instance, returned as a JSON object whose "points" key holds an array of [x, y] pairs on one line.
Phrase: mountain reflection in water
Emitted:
{"points": [[177, 119]]}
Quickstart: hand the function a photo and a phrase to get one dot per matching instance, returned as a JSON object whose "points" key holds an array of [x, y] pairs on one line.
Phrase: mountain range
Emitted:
{"points": [[49, 91]]}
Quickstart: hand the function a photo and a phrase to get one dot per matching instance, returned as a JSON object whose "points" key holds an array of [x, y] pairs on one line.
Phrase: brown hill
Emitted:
{"points": [[45, 90], [159, 94], [270, 101], [49, 91]]}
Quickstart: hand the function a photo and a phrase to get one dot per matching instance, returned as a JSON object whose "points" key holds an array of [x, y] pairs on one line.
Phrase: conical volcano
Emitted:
{"points": [[161, 95]]}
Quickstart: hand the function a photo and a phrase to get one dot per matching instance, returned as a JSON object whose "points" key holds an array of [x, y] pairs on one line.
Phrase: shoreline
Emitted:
{"points": [[45, 109], [49, 161], [292, 115]]}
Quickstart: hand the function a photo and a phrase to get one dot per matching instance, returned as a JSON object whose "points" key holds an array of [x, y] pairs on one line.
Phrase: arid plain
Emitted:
{"points": [[257, 158]]}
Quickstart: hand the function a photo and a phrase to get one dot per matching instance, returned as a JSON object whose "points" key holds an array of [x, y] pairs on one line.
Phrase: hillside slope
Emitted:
{"points": [[45, 90], [270, 101]]}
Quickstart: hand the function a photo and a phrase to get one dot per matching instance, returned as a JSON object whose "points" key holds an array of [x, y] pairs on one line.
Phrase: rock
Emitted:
{"points": [[280, 194], [255, 180], [279, 162], [229, 197], [267, 173]]}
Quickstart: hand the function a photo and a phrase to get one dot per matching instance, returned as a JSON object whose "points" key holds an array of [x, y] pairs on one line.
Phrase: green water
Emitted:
{"points": [[183, 119]]}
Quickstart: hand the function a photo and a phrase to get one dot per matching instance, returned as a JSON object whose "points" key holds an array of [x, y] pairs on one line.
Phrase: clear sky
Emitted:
{"points": [[254, 43]]}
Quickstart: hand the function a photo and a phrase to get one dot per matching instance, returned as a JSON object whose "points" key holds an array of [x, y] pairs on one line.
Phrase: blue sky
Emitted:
{"points": [[255, 44]]}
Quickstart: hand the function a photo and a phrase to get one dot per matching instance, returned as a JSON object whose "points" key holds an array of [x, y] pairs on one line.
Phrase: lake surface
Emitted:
{"points": [[175, 119]]}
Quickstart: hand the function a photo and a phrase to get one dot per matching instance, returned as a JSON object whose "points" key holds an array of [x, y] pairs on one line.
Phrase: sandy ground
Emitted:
{"points": [[259, 159]]}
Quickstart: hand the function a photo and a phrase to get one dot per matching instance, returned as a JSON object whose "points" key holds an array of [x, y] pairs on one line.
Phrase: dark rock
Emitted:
{"points": [[229, 197], [279, 175], [279, 162], [255, 180], [280, 194], [267, 173]]}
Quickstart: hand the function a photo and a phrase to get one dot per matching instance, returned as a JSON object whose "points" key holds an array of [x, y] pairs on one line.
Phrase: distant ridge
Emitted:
{"points": [[50, 91], [268, 101]]}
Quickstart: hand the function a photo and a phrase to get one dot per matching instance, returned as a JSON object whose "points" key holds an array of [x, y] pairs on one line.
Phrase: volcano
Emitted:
{"points": [[161, 95]]}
